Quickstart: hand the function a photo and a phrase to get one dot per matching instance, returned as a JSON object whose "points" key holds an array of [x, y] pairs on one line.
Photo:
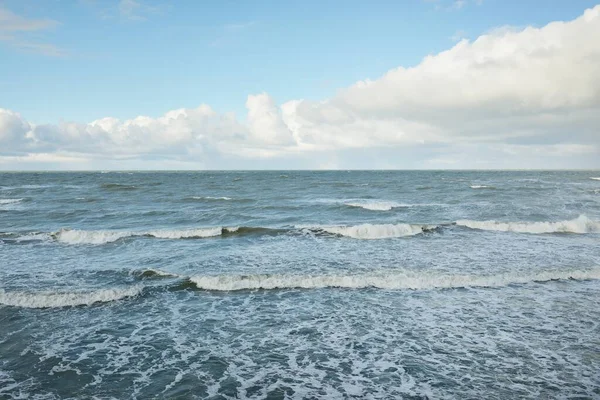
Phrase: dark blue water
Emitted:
{"points": [[277, 285]]}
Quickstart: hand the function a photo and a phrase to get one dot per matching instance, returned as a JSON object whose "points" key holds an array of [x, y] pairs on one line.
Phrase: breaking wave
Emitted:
{"points": [[393, 280], [390, 280], [376, 205], [69, 236], [188, 233], [582, 224], [370, 231], [10, 201], [154, 273], [211, 198], [74, 236], [596, 179], [88, 237], [482, 187], [65, 299]]}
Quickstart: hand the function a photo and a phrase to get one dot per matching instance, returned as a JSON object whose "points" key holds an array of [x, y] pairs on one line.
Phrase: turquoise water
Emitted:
{"points": [[338, 285]]}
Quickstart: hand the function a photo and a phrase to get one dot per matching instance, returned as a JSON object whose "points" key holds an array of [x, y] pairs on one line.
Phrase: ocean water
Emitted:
{"points": [[294, 285]]}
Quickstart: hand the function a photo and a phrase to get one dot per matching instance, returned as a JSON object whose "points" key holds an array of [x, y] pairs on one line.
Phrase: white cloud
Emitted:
{"points": [[265, 122], [11, 22], [14, 28], [510, 98]]}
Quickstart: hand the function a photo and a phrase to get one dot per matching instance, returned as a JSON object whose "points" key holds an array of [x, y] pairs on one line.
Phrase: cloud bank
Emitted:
{"points": [[525, 98]]}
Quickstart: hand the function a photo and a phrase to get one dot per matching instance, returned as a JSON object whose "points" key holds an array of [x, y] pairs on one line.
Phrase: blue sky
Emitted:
{"points": [[84, 60], [168, 55]]}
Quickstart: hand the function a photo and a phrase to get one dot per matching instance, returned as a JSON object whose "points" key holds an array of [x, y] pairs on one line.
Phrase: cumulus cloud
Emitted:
{"points": [[510, 98]]}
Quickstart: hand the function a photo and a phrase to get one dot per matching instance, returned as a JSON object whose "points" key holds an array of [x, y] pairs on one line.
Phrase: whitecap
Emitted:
{"points": [[73, 236], [65, 299], [211, 198], [375, 205], [582, 224], [10, 201], [186, 233], [390, 280], [373, 231]]}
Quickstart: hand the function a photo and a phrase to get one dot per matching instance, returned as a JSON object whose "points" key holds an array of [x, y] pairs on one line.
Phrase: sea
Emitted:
{"points": [[300, 285]]}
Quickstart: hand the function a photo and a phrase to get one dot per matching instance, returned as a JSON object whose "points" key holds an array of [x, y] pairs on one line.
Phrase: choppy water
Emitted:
{"points": [[300, 285]]}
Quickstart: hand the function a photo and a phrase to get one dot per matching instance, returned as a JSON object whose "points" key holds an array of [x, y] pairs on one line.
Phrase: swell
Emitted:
{"points": [[391, 280], [375, 231], [375, 205], [580, 225], [207, 198], [10, 201], [482, 187], [57, 299], [69, 236], [117, 187]]}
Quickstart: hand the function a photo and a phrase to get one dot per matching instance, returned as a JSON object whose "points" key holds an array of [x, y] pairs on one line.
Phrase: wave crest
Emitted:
{"points": [[371, 231], [65, 299], [186, 233], [375, 205], [10, 201], [393, 280], [582, 224], [117, 186], [74, 236]]}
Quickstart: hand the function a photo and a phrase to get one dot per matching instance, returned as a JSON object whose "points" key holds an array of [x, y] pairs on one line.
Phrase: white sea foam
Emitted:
{"points": [[211, 198], [74, 236], [596, 179], [371, 231], [186, 233], [34, 236], [376, 205], [481, 187], [10, 201], [582, 224], [65, 299], [392, 280]]}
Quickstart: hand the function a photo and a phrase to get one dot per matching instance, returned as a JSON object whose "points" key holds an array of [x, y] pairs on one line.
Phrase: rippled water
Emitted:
{"points": [[300, 285]]}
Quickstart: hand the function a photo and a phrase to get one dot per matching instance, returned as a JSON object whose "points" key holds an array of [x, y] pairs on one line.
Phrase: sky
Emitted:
{"points": [[413, 84]]}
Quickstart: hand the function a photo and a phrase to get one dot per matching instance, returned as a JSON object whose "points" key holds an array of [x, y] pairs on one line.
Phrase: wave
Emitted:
{"points": [[74, 236], [188, 233], [117, 186], [391, 280], [482, 187], [65, 299], [596, 179], [371, 231], [209, 198], [10, 201], [154, 273], [582, 224], [69, 236], [376, 205]]}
